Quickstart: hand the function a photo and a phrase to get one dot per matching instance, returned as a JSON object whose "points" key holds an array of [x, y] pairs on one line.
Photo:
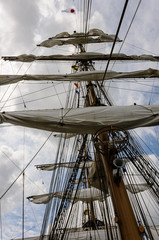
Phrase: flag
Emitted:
{"points": [[76, 84], [74, 67], [69, 10], [86, 212]]}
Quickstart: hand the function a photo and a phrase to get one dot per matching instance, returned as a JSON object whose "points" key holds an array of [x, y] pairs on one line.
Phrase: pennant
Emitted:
{"points": [[69, 10], [74, 67], [76, 84]]}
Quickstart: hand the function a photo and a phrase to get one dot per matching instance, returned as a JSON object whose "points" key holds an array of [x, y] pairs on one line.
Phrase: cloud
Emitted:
{"points": [[21, 22]]}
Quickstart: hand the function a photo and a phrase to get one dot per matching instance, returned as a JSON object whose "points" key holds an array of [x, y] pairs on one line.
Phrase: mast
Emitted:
{"points": [[92, 102], [124, 214]]}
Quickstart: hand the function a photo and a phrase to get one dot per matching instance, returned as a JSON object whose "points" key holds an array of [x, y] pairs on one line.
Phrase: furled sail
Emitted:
{"points": [[79, 234], [96, 171], [66, 136], [39, 199], [84, 195], [92, 32], [136, 188], [85, 120], [93, 36], [82, 56], [81, 40], [54, 166], [81, 76]]}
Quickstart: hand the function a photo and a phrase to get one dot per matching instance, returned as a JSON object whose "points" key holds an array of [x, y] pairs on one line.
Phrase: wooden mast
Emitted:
{"points": [[124, 214], [122, 207]]}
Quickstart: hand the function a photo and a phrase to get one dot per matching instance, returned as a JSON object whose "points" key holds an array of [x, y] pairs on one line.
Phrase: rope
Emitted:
{"points": [[25, 167], [118, 29], [23, 207], [128, 29], [16, 84]]}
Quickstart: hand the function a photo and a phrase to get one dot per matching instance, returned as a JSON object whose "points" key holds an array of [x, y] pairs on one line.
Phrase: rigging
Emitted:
{"points": [[116, 36]]}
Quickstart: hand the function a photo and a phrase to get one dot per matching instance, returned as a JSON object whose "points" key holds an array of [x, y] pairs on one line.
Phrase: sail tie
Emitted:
{"points": [[61, 119]]}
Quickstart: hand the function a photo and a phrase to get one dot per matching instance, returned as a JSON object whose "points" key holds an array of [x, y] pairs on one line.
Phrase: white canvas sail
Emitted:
{"points": [[84, 195], [85, 120], [136, 188], [80, 234], [78, 38], [81, 56], [91, 32], [53, 42], [81, 76], [54, 166]]}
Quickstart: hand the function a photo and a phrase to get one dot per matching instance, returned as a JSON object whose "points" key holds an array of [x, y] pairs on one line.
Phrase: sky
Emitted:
{"points": [[23, 25]]}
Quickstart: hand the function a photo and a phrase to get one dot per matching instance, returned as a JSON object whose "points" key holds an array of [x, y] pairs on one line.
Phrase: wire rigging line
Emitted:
{"points": [[17, 167], [1, 219], [118, 29], [134, 90], [139, 48], [23, 204], [88, 15], [41, 98], [36, 220], [26, 166], [146, 146], [128, 30], [15, 85], [151, 93], [52, 85]]}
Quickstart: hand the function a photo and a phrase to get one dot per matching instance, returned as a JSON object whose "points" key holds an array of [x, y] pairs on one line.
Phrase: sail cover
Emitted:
{"points": [[84, 195], [81, 76], [85, 120], [82, 56]]}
